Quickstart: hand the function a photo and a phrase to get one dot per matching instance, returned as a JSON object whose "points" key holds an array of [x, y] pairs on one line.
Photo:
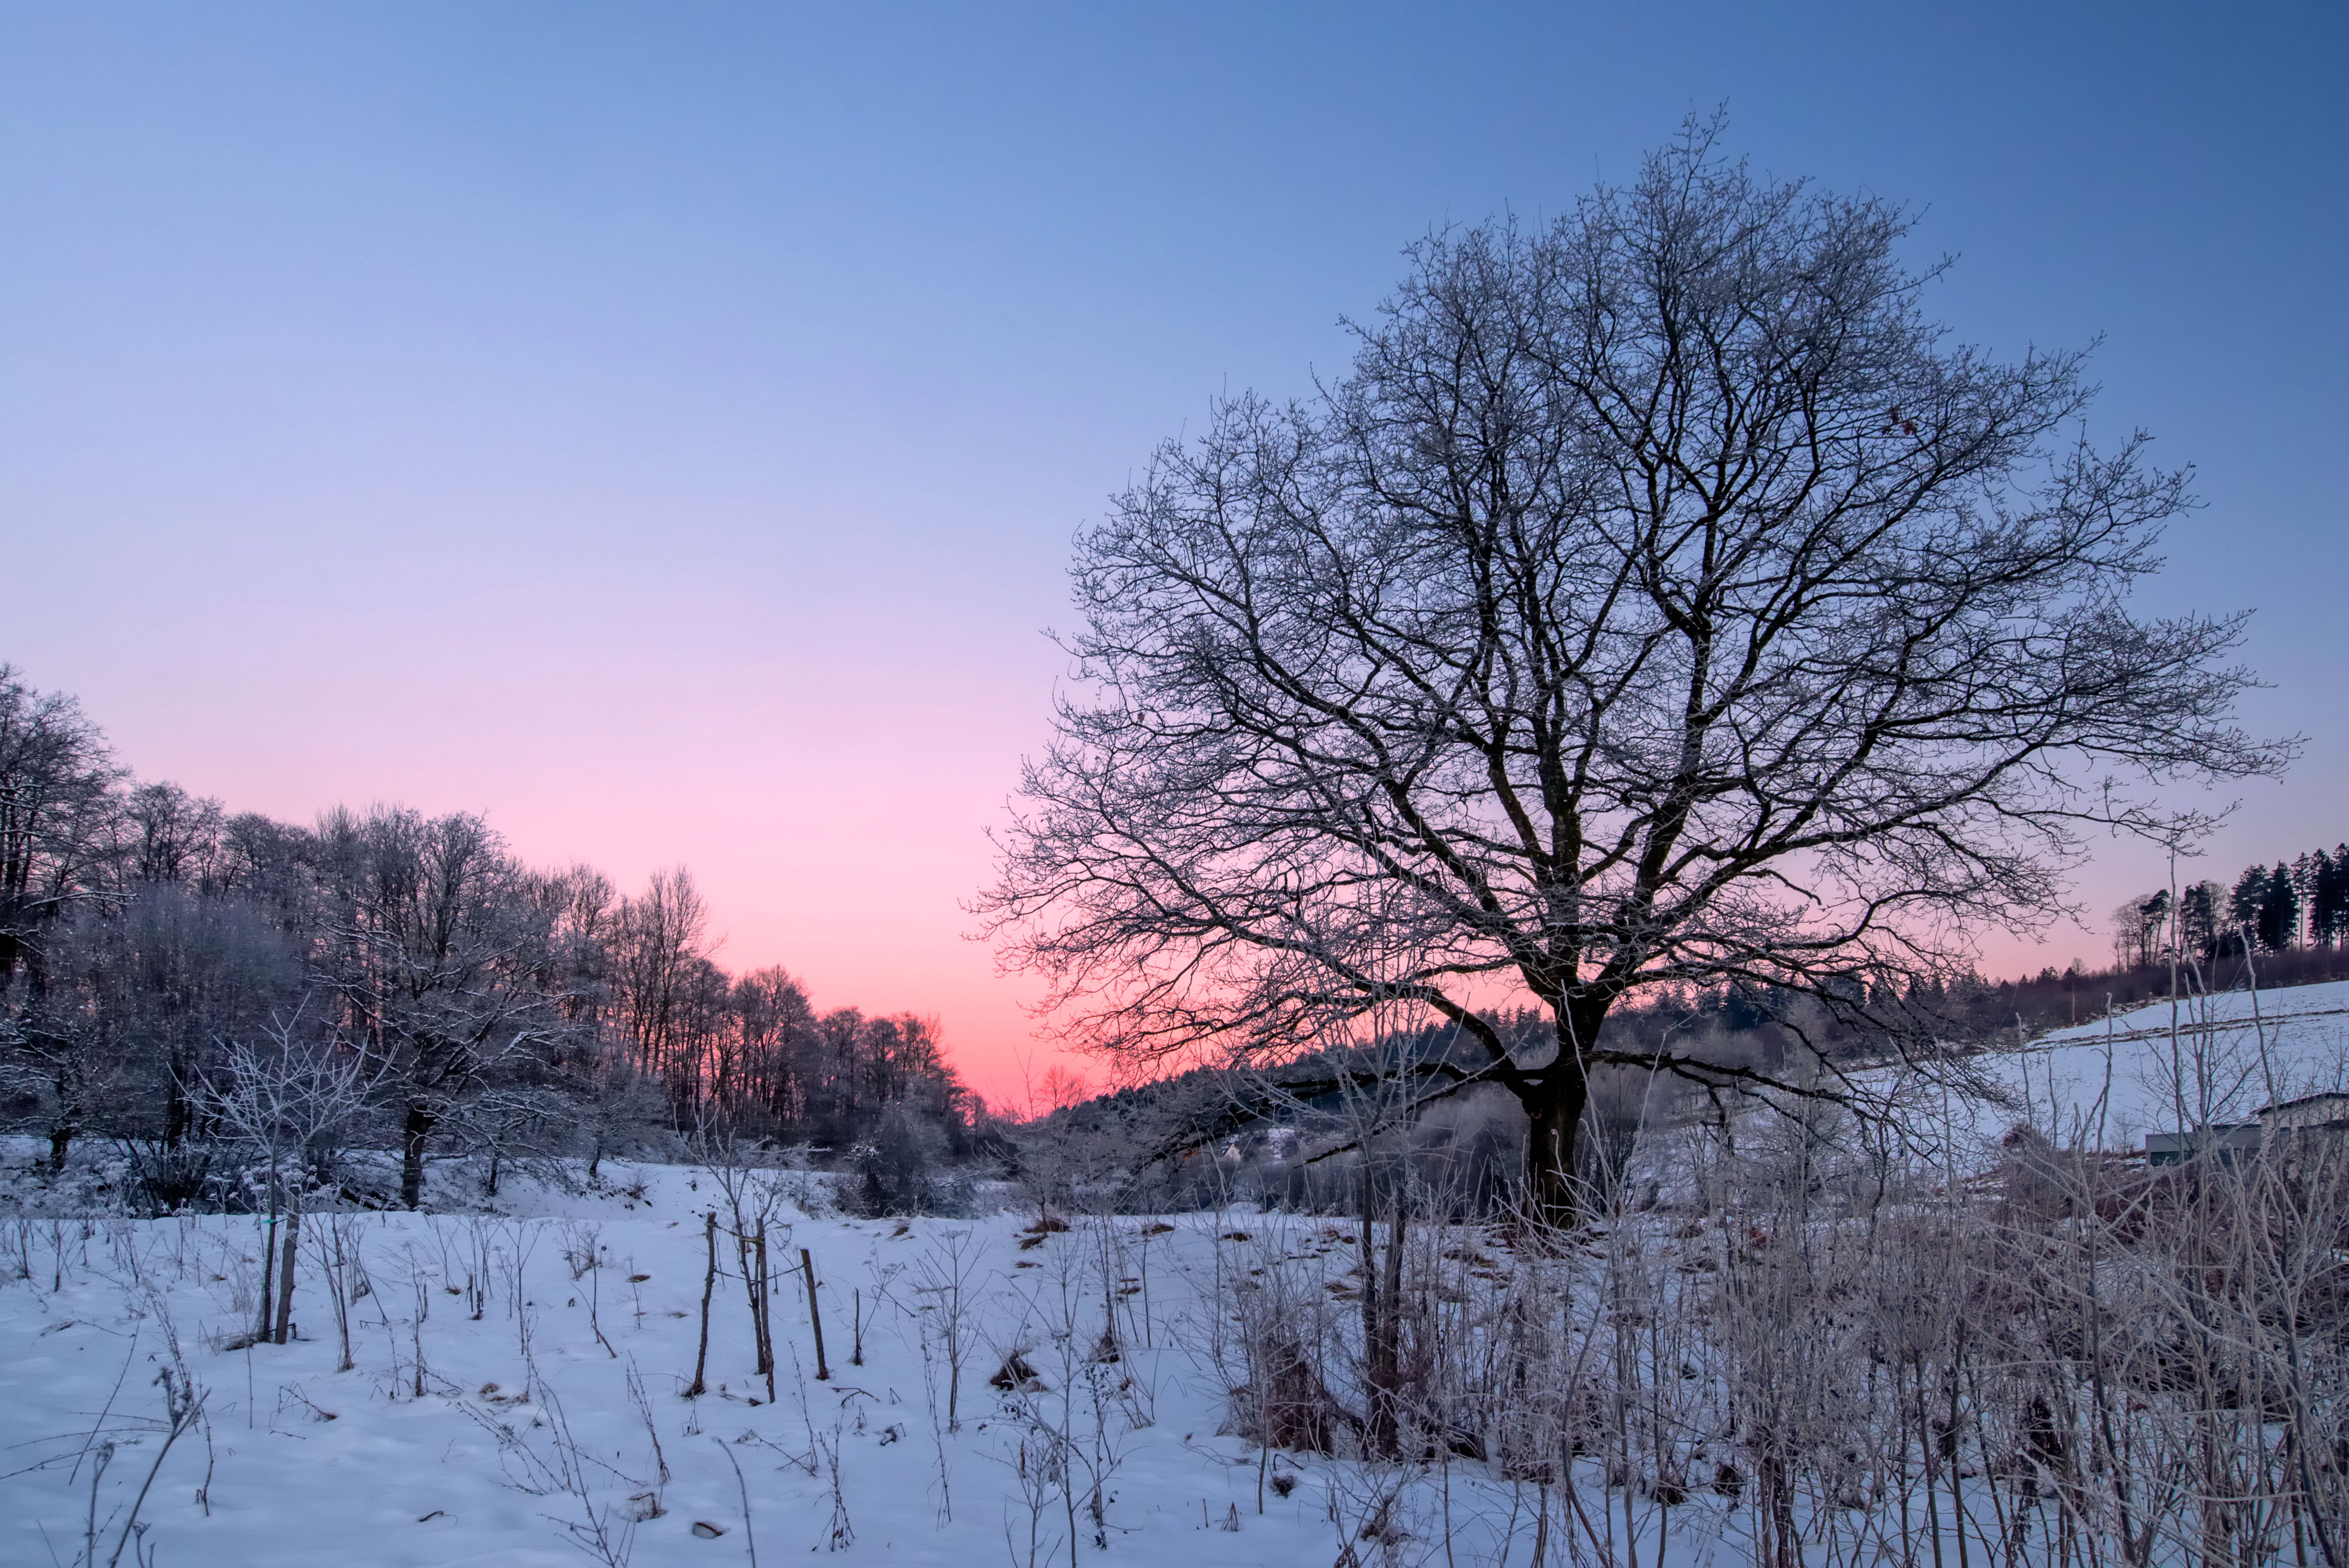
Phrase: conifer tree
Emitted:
{"points": [[2279, 912], [2199, 909], [2249, 902], [2328, 912]]}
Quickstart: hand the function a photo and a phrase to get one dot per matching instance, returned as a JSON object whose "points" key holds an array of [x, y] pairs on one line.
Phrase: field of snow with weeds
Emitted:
{"points": [[515, 1380], [518, 1379]]}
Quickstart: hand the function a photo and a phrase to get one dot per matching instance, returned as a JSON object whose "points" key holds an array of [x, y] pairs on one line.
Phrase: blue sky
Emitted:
{"points": [[662, 426]]}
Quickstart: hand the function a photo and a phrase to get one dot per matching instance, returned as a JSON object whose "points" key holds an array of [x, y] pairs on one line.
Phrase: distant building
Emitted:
{"points": [[2230, 1140], [2278, 1124], [2328, 1113]]}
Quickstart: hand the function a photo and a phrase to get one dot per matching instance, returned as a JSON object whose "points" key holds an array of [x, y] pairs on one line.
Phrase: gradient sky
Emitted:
{"points": [[661, 427]]}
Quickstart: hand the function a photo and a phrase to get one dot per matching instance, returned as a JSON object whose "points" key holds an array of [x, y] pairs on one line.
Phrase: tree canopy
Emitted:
{"points": [[1659, 597]]}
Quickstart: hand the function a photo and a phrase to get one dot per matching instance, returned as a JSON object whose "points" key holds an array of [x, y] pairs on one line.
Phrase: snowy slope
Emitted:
{"points": [[2111, 1082]]}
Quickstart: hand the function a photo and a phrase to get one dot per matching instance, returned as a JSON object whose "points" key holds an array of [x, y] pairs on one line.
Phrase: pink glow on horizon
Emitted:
{"points": [[661, 431], [832, 808], [833, 803], [848, 860]]}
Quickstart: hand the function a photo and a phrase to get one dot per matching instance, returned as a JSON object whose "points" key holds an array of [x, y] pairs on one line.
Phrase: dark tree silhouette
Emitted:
{"points": [[1659, 599]]}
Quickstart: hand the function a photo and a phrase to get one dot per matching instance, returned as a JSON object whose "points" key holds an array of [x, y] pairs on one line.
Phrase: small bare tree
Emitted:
{"points": [[283, 1097], [947, 1276], [753, 1201]]}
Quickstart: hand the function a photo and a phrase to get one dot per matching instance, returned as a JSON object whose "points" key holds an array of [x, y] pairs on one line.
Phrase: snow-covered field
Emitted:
{"points": [[2111, 1082], [518, 1388], [528, 1431]]}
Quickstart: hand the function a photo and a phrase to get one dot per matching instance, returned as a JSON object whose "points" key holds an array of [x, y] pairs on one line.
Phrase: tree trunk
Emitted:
{"points": [[1381, 1438], [60, 1139], [179, 1116], [1383, 1313], [1554, 1103], [414, 1130], [1554, 1120]]}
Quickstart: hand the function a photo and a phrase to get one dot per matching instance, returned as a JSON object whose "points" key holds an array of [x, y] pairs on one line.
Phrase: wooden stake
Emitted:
{"points": [[815, 1317], [766, 1317], [286, 1279], [709, 1286], [268, 1279]]}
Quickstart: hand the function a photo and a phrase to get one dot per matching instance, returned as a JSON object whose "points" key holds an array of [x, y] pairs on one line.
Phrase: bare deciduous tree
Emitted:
{"points": [[437, 962], [169, 835], [287, 1099], [1661, 598], [56, 804], [660, 948]]}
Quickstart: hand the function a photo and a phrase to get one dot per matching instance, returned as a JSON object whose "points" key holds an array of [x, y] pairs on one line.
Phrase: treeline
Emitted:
{"points": [[2293, 906], [1266, 1136], [167, 966]]}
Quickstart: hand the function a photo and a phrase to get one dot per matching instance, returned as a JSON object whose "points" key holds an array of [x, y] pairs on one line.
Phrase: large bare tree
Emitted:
{"points": [[1660, 598]]}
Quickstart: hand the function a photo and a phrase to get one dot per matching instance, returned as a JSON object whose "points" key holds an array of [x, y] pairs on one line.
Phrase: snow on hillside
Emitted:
{"points": [[2111, 1082]]}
